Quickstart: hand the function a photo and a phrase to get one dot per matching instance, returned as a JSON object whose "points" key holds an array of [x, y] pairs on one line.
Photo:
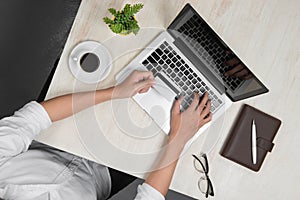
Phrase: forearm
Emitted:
{"points": [[160, 179], [64, 106]]}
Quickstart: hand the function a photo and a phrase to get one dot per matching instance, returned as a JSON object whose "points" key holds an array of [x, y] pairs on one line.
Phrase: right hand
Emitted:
{"points": [[136, 82], [185, 124]]}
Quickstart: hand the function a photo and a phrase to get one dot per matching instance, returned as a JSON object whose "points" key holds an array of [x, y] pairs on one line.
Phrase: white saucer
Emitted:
{"points": [[90, 47]]}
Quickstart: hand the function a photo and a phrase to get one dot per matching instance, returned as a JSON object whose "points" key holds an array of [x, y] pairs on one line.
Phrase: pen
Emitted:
{"points": [[254, 148]]}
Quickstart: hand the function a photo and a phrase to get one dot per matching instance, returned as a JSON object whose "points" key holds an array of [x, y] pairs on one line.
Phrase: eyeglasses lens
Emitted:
{"points": [[200, 167]]}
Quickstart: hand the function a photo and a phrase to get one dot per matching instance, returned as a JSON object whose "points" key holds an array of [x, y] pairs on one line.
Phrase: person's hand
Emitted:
{"points": [[185, 124], [136, 82]]}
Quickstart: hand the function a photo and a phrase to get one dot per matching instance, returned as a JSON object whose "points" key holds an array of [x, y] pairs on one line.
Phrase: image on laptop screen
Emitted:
{"points": [[221, 63]]}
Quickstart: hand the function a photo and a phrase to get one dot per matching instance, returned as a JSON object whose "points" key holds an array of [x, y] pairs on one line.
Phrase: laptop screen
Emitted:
{"points": [[222, 66]]}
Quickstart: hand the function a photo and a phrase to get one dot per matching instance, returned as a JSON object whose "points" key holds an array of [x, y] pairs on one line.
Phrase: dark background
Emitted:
{"points": [[32, 36]]}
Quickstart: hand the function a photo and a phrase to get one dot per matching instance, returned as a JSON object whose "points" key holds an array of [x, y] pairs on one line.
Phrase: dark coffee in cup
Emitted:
{"points": [[89, 62]]}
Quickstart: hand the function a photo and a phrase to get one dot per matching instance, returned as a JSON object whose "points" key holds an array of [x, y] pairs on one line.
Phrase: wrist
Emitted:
{"points": [[103, 95], [115, 94], [176, 140]]}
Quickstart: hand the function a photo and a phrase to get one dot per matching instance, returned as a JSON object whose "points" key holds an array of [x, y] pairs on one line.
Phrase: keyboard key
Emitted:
{"points": [[145, 62], [151, 60], [194, 81], [215, 103], [178, 64], [149, 67], [159, 52], [172, 75], [202, 90], [176, 69], [155, 56], [154, 71]]}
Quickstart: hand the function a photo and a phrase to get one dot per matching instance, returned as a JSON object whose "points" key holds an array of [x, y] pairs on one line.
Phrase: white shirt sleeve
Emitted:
{"points": [[147, 192], [18, 131]]}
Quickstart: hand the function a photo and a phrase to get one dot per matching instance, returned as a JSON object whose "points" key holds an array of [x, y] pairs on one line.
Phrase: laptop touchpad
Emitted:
{"points": [[163, 89], [157, 106]]}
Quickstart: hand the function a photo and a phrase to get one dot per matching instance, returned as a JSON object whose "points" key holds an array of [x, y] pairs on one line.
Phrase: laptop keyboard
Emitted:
{"points": [[197, 34], [165, 60]]}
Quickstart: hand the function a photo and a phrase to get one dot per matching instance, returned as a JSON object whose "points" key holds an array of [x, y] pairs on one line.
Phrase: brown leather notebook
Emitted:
{"points": [[238, 144]]}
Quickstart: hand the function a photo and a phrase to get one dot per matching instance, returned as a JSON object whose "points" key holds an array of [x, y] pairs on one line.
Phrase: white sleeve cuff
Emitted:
{"points": [[147, 192], [35, 114], [18, 131]]}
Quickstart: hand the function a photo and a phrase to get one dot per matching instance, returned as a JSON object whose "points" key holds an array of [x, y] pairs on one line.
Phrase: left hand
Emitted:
{"points": [[136, 82]]}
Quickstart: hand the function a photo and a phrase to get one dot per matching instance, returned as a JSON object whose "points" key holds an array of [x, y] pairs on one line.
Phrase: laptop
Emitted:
{"points": [[190, 57]]}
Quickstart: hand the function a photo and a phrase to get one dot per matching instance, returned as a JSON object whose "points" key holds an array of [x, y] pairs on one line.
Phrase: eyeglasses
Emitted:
{"points": [[204, 183]]}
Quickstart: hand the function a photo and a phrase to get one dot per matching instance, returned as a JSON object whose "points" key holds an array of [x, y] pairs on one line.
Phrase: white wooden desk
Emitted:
{"points": [[263, 33]]}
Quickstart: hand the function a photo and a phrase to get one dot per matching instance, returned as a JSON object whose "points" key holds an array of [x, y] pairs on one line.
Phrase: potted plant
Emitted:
{"points": [[124, 21]]}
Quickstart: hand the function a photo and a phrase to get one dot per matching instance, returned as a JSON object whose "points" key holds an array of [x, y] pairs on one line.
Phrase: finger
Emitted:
{"points": [[176, 105], [228, 52], [241, 73], [203, 102], [248, 76], [144, 90], [144, 84], [195, 101], [234, 70], [206, 110], [232, 61], [144, 75], [206, 120]]}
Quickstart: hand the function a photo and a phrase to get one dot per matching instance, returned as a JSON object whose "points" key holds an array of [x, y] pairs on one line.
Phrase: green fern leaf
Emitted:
{"points": [[136, 8], [116, 28], [135, 27], [108, 21], [126, 9], [112, 11]]}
